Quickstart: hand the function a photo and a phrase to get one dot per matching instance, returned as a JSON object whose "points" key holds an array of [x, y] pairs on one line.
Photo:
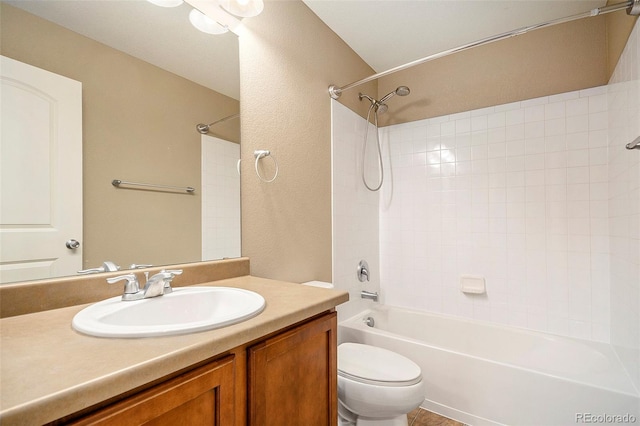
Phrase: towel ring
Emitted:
{"points": [[259, 154]]}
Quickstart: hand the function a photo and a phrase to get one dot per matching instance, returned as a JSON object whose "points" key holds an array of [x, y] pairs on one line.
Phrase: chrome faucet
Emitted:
{"points": [[373, 295], [157, 285]]}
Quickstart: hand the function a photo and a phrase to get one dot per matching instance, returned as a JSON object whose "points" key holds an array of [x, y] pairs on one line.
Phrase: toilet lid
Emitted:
{"points": [[374, 364]]}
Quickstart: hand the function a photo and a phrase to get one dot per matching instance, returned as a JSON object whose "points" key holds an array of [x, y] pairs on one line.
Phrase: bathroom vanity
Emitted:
{"points": [[276, 368]]}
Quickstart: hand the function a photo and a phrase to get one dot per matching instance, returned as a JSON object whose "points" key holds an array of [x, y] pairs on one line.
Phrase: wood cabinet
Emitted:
{"points": [[292, 378], [204, 396], [289, 378]]}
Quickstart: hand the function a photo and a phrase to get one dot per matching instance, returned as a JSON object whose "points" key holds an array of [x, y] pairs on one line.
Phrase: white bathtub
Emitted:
{"points": [[484, 374]]}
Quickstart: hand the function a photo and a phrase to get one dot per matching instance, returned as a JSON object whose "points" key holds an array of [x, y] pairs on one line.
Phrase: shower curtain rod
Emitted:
{"points": [[632, 6], [230, 117], [204, 128]]}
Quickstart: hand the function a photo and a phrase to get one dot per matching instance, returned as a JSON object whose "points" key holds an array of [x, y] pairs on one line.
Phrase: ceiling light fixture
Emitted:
{"points": [[206, 24], [213, 11], [217, 16], [243, 8], [166, 3]]}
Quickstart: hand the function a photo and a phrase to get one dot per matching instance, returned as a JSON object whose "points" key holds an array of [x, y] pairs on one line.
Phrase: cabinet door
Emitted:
{"points": [[204, 396], [293, 376]]}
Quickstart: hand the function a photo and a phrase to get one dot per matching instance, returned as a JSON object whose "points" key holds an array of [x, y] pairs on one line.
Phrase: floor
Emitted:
{"points": [[422, 417]]}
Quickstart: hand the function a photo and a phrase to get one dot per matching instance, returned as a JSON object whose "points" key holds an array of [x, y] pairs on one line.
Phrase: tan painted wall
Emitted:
{"points": [[557, 59], [619, 27], [562, 58], [288, 58], [138, 125]]}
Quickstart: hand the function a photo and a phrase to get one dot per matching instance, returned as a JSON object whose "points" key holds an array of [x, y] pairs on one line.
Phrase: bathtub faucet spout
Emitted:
{"points": [[373, 295]]}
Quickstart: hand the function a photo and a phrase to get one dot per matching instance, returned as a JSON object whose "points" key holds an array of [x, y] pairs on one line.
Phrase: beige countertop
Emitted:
{"points": [[48, 370]]}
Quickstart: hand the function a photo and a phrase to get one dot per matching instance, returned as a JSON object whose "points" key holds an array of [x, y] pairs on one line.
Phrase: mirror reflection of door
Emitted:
{"points": [[40, 173]]}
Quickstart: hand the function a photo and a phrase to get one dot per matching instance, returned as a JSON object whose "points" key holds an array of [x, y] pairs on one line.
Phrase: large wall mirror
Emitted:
{"points": [[148, 78]]}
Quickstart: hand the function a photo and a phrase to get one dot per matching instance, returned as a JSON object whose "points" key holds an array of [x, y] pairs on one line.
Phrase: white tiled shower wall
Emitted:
{"points": [[624, 206], [220, 199], [515, 193]]}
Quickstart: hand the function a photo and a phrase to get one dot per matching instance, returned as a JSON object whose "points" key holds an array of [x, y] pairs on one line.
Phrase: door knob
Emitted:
{"points": [[72, 244]]}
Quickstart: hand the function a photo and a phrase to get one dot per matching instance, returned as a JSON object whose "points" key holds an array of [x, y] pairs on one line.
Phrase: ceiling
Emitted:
{"points": [[389, 33]]}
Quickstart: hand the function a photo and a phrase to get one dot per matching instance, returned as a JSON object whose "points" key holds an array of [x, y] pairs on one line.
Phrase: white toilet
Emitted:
{"points": [[376, 387]]}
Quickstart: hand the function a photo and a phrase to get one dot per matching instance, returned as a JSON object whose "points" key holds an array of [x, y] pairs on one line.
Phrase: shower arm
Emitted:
{"points": [[632, 6]]}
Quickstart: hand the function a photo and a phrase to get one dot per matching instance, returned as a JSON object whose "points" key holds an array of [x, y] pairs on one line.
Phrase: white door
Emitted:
{"points": [[40, 173]]}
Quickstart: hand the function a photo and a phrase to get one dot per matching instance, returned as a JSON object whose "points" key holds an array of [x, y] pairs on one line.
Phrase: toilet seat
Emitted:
{"points": [[376, 366]]}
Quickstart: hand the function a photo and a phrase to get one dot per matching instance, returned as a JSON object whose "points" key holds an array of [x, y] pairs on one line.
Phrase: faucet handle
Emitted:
{"points": [[167, 280], [130, 287], [107, 266], [363, 271]]}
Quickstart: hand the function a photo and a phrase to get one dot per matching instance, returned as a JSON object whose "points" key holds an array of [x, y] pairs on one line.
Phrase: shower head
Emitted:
{"points": [[377, 106], [400, 91], [381, 108]]}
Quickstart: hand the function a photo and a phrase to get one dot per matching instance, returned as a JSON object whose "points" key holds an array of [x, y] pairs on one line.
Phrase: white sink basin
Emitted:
{"points": [[185, 310]]}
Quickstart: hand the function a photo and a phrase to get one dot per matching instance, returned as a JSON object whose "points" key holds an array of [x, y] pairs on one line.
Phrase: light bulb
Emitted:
{"points": [[243, 8], [205, 24]]}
